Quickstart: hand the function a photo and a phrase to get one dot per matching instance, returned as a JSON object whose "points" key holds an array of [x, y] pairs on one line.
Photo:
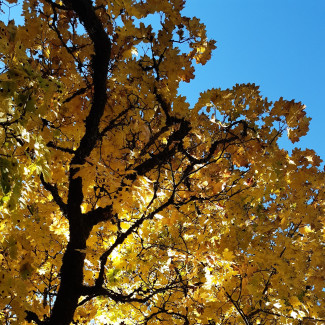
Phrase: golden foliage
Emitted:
{"points": [[164, 214]]}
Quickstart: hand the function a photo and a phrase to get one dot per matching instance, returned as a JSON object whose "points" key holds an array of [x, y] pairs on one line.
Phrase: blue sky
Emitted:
{"points": [[276, 44]]}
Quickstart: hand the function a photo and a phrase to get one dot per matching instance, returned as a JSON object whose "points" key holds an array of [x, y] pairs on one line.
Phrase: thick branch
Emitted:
{"points": [[113, 122], [145, 295], [55, 193], [100, 60], [166, 108], [100, 215], [52, 145], [96, 291], [216, 143], [32, 317], [167, 153], [79, 92], [73, 260]]}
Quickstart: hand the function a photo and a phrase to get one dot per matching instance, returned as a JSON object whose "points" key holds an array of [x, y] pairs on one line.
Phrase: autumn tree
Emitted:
{"points": [[121, 204]]}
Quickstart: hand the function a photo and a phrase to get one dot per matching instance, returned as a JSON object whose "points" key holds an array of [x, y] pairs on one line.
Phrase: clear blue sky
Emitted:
{"points": [[276, 44]]}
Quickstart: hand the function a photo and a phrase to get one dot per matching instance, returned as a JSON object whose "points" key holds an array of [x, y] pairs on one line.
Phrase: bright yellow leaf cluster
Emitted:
{"points": [[121, 204]]}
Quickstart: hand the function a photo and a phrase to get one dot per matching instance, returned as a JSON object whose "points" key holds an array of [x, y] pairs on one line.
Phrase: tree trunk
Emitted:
{"points": [[71, 274]]}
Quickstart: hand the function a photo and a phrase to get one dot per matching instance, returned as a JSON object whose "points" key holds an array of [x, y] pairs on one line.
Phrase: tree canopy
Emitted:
{"points": [[122, 204]]}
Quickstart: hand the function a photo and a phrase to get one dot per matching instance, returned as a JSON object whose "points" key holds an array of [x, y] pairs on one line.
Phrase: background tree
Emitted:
{"points": [[122, 205]]}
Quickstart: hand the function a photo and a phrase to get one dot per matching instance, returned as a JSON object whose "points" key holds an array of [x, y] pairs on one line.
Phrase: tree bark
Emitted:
{"points": [[71, 273]]}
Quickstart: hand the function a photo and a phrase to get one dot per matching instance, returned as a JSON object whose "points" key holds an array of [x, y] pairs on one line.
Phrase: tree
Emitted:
{"points": [[120, 204]]}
